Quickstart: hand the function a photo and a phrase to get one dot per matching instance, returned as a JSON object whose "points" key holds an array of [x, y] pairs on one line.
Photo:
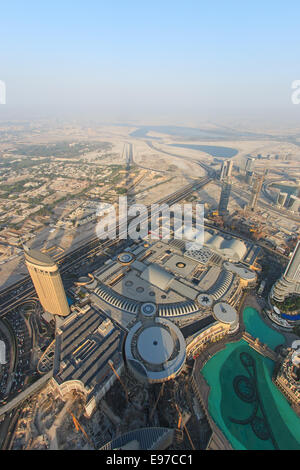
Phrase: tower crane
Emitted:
{"points": [[79, 427], [180, 421], [110, 363], [157, 400]]}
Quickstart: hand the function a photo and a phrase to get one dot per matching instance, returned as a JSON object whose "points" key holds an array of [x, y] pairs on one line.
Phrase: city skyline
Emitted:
{"points": [[150, 228]]}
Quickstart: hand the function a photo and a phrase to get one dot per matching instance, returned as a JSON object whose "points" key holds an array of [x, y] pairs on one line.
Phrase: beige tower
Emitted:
{"points": [[47, 282]]}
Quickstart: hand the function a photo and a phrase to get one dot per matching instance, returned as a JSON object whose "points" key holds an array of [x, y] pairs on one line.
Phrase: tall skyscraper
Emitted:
{"points": [[256, 192], [224, 198], [281, 199], [249, 177], [226, 169], [289, 283], [47, 282], [249, 164], [292, 203]]}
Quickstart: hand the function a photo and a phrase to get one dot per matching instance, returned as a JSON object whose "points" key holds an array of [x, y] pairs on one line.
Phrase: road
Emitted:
{"points": [[282, 212], [209, 171], [15, 295]]}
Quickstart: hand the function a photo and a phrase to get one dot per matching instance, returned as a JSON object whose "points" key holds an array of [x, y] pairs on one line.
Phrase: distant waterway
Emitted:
{"points": [[213, 150], [192, 133], [186, 132]]}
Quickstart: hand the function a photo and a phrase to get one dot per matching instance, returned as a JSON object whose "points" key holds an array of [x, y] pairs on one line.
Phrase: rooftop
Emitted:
{"points": [[38, 258], [85, 343]]}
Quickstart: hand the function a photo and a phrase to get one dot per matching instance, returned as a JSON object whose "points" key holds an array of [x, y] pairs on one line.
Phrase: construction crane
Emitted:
{"points": [[181, 422], [157, 400], [80, 428], [110, 363]]}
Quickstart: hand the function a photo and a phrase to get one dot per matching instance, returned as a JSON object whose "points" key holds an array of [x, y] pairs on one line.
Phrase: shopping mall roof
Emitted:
{"points": [[157, 276], [83, 346], [225, 245]]}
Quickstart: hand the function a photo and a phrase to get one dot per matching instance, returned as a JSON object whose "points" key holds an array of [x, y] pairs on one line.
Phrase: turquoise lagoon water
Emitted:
{"points": [[259, 329], [243, 401]]}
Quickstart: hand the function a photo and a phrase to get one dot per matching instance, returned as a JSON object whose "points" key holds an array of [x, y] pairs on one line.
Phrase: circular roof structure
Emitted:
{"points": [[155, 345], [296, 358], [156, 352], [205, 300], [180, 264], [88, 280], [296, 344], [148, 309], [225, 313], [38, 258], [125, 257]]}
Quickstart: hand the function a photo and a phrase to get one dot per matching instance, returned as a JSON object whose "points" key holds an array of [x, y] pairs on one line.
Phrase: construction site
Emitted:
{"points": [[48, 422]]}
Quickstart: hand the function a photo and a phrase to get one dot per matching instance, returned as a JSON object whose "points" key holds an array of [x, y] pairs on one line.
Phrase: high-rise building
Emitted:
{"points": [[226, 169], [224, 198], [293, 203], [249, 176], [47, 282], [281, 198], [249, 164], [289, 283]]}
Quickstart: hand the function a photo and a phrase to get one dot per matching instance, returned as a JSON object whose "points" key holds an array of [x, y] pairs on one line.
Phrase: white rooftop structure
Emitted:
{"points": [[202, 255], [244, 273], [155, 345], [296, 344], [157, 276], [155, 352], [125, 257], [296, 358], [148, 309], [228, 247], [225, 313]]}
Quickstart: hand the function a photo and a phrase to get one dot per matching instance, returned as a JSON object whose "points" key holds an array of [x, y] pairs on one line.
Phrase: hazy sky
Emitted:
{"points": [[127, 59]]}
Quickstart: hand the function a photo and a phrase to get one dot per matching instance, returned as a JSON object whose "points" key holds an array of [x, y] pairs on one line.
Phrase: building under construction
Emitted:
{"points": [[256, 191]]}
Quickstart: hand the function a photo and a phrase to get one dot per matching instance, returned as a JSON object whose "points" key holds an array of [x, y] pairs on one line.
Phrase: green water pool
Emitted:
{"points": [[243, 401], [259, 329]]}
